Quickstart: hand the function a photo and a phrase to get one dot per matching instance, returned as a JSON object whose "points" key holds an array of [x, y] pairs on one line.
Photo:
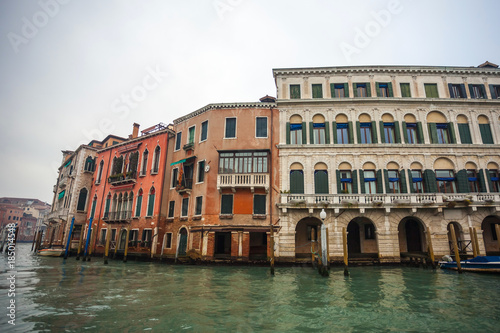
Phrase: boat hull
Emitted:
{"points": [[489, 264], [51, 252]]}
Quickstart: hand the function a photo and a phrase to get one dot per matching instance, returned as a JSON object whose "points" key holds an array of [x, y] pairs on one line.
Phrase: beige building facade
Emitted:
{"points": [[393, 154]]}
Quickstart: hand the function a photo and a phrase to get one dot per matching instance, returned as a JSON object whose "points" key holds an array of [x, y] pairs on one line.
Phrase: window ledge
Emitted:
{"points": [[225, 216], [135, 217], [142, 174], [197, 217], [170, 219], [184, 218], [149, 217], [154, 173], [97, 183], [259, 216]]}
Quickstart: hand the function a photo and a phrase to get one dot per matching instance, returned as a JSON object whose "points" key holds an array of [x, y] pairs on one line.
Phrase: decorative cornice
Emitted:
{"points": [[249, 105]]}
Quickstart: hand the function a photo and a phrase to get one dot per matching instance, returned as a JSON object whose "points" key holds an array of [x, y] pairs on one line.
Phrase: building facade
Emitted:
{"points": [[393, 154], [222, 182]]}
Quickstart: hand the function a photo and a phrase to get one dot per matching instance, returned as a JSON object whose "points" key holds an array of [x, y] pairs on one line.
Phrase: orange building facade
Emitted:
{"points": [[222, 183], [126, 194]]}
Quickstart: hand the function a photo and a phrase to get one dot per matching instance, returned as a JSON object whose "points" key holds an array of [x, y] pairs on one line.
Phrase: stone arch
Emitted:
{"points": [[462, 119], [411, 234], [443, 163], [490, 236], [387, 117], [318, 118], [182, 240], [410, 117], [436, 116], [303, 237], [364, 118], [341, 118], [296, 119], [362, 241]]}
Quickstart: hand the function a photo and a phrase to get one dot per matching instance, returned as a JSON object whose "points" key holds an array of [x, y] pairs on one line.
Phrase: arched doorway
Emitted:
{"points": [[411, 236], [361, 239], [459, 236], [123, 239], [182, 242], [303, 231], [490, 236]]}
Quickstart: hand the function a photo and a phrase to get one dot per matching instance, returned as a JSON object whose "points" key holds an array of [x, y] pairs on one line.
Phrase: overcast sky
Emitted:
{"points": [[73, 70]]}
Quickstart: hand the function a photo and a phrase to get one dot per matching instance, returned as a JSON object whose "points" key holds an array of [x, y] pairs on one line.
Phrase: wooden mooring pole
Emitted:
{"points": [[68, 244], [473, 242], [497, 229], [106, 249], [431, 249], [313, 248], [346, 261], [455, 248], [271, 249], [126, 245], [80, 243], [477, 243]]}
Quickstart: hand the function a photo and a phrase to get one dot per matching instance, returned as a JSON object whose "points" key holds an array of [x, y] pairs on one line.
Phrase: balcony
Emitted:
{"points": [[243, 180], [63, 181], [185, 186], [118, 217], [412, 201], [188, 146], [123, 178], [58, 215]]}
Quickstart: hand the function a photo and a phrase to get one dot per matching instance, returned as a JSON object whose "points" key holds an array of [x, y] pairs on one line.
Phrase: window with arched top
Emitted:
{"points": [[463, 129], [82, 200], [89, 164], [440, 131], [485, 129], [394, 179], [320, 131], [92, 210], [144, 167], [343, 128], [296, 132], [138, 204], [151, 202], [296, 178], [156, 160], [107, 206], [347, 181], [445, 176], [416, 178], [321, 179], [99, 173], [366, 129], [493, 177], [369, 181]]}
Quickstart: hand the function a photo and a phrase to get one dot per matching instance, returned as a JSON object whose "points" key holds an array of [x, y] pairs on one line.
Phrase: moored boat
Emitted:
{"points": [[479, 264], [54, 252]]}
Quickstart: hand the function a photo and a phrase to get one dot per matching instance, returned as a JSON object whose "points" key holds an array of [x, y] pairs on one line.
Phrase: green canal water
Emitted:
{"points": [[53, 295]]}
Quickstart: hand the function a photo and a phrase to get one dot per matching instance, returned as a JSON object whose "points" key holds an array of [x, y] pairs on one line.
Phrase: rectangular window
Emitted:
{"points": [[168, 240], [317, 91], [443, 134], [340, 90], [296, 134], [184, 208], [389, 133], [370, 182], [473, 182], [383, 90], [175, 181], [204, 130], [495, 91], [171, 209], [191, 135], [361, 90], [495, 181], [477, 91], [431, 90], [411, 132], [243, 162], [146, 235], [261, 127], [405, 90], [259, 204], [178, 138], [199, 203], [226, 204], [319, 133], [295, 91], [393, 180], [343, 133], [346, 181], [369, 231], [102, 239], [230, 128], [201, 172], [457, 90], [417, 179], [366, 132], [446, 181]]}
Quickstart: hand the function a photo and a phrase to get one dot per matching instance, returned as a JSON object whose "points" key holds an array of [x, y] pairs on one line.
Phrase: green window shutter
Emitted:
{"points": [[94, 202], [327, 132], [386, 181], [486, 135], [462, 181], [294, 91], [431, 90], [151, 204], [355, 89], [493, 92], [405, 133], [108, 202], [391, 91], [405, 90], [227, 204], [397, 132], [311, 133], [368, 89], [346, 90], [402, 181], [464, 131], [362, 181], [320, 182], [374, 132], [138, 206], [296, 182], [358, 131], [380, 186], [288, 133], [317, 91], [377, 88], [433, 132], [451, 129], [382, 135], [351, 134], [304, 137], [490, 183], [334, 128], [410, 180], [430, 185], [420, 132], [339, 187], [482, 183], [332, 90], [354, 181]]}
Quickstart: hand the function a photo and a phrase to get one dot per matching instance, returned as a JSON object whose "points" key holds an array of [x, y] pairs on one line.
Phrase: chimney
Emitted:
{"points": [[135, 131]]}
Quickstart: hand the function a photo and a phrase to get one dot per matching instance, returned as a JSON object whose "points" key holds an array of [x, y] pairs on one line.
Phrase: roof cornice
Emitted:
{"points": [[412, 70], [139, 138], [253, 105]]}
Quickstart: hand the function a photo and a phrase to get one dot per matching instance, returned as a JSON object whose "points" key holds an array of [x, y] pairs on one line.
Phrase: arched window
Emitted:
{"points": [[321, 179], [485, 129], [346, 179], [366, 130], [156, 160], [463, 129], [394, 179], [144, 167], [108, 204], [439, 130], [296, 178], [416, 178], [151, 202], [295, 131], [99, 173], [82, 200], [319, 130], [138, 204], [94, 203], [124, 206], [369, 184], [445, 176], [89, 164]]}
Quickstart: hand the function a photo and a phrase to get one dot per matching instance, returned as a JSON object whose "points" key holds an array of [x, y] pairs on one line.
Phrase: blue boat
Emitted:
{"points": [[479, 264]]}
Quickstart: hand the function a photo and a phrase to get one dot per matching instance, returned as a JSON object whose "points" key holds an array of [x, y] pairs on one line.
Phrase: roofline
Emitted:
{"points": [[216, 106], [139, 138], [385, 68]]}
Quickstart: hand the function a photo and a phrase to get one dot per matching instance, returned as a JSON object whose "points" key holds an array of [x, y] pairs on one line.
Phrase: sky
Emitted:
{"points": [[76, 70]]}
